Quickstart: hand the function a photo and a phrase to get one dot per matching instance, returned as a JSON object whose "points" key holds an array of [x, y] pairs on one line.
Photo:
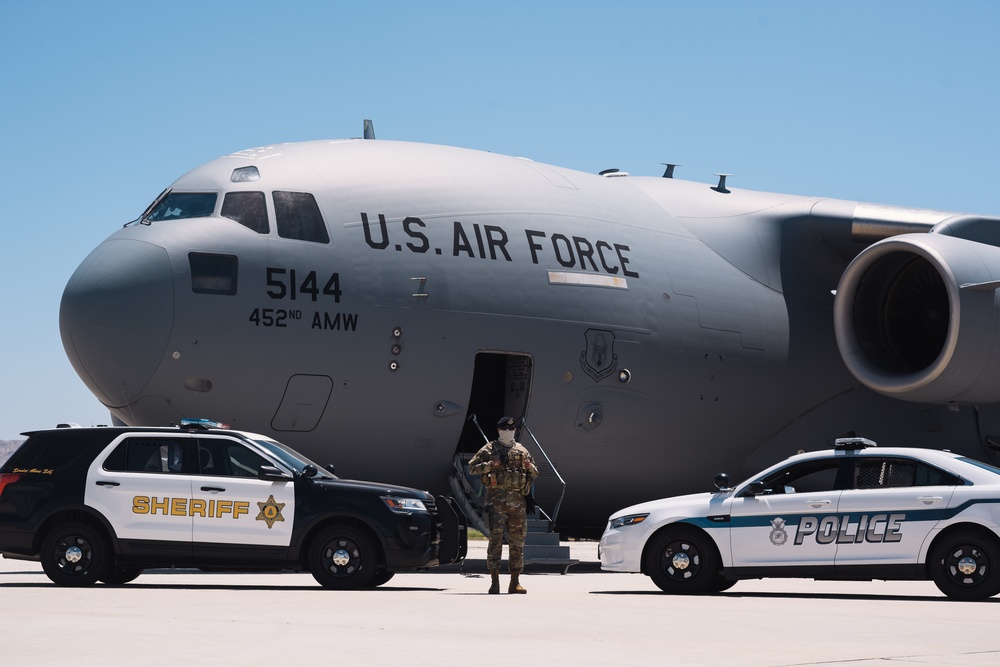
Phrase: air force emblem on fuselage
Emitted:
{"points": [[599, 359]]}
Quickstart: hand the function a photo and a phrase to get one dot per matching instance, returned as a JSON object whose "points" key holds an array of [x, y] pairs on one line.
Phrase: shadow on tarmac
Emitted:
{"points": [[802, 596], [230, 587]]}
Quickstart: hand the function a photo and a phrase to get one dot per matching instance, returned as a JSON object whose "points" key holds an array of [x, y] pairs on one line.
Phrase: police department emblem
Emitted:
{"points": [[270, 512], [778, 534], [599, 359]]}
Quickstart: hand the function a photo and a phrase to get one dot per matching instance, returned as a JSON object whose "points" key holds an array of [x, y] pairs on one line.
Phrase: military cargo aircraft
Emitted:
{"points": [[363, 299]]}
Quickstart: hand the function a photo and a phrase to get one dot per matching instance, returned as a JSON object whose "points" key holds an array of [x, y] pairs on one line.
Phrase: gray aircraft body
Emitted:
{"points": [[360, 299]]}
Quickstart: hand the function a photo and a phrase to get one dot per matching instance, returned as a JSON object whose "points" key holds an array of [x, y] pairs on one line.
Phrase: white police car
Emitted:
{"points": [[856, 512]]}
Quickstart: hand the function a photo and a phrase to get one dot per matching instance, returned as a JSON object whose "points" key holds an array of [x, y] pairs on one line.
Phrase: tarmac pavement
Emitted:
{"points": [[584, 617]]}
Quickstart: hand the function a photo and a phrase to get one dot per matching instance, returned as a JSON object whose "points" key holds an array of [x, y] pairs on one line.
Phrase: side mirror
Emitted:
{"points": [[332, 469], [722, 482], [755, 488], [271, 474], [309, 470]]}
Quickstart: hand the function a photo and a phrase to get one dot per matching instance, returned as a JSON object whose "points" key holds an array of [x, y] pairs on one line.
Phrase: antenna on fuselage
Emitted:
{"points": [[369, 129], [721, 187]]}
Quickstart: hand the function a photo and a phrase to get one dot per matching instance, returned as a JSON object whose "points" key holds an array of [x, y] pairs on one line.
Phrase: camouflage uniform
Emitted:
{"points": [[506, 487]]}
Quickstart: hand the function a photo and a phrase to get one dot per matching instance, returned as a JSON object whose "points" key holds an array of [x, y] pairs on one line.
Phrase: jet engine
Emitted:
{"points": [[916, 318]]}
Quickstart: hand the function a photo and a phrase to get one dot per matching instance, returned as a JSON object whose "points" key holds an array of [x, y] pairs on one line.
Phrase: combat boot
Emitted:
{"points": [[495, 585], [515, 586]]}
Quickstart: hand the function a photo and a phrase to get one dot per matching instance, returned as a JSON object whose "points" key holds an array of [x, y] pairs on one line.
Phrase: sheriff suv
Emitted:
{"points": [[102, 504], [855, 512]]}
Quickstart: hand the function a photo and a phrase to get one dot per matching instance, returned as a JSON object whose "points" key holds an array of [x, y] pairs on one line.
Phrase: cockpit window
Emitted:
{"points": [[298, 217], [245, 175], [179, 205], [248, 209]]}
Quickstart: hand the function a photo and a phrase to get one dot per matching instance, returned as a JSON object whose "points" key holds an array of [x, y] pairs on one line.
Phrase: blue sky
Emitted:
{"points": [[106, 103]]}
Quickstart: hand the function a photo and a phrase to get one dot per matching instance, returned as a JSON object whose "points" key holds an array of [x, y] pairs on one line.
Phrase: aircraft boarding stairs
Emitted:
{"points": [[541, 545]]}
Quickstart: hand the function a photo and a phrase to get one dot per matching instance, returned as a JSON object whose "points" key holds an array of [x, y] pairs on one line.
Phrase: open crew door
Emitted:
{"points": [[501, 385]]}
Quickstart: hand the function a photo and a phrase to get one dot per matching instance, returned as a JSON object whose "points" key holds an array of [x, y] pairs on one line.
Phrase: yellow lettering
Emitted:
{"points": [[197, 507], [162, 505], [178, 506], [240, 508], [223, 507], [140, 505]]}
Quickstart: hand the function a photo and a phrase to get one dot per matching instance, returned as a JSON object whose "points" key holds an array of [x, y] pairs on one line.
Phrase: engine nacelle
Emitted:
{"points": [[916, 318]]}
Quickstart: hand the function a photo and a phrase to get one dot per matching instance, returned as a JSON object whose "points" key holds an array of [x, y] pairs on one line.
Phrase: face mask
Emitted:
{"points": [[506, 438]]}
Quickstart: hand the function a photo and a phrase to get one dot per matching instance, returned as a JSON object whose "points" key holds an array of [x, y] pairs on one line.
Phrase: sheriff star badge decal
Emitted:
{"points": [[270, 511]]}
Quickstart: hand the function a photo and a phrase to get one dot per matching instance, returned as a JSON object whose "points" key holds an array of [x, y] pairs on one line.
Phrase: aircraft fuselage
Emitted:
{"points": [[652, 331]]}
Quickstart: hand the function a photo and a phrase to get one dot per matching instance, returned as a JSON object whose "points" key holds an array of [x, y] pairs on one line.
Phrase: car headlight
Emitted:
{"points": [[404, 505], [628, 520]]}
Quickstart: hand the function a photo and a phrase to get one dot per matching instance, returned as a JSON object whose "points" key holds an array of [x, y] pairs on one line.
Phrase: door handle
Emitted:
{"points": [[818, 503], [105, 482], [213, 489], [927, 500]]}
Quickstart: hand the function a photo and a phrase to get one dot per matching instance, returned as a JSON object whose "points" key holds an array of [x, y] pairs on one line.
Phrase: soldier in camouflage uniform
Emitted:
{"points": [[507, 471]]}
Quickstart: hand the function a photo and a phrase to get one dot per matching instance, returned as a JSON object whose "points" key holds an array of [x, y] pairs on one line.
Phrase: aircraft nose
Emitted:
{"points": [[116, 317]]}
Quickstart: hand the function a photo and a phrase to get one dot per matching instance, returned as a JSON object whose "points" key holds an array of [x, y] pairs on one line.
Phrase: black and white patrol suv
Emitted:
{"points": [[102, 504]]}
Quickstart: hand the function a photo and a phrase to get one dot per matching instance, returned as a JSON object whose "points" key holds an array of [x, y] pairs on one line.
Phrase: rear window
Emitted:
{"points": [[45, 453], [876, 473], [980, 464], [156, 455]]}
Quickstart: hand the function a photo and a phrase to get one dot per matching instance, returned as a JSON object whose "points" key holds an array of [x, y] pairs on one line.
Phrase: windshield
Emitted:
{"points": [[292, 458], [179, 205]]}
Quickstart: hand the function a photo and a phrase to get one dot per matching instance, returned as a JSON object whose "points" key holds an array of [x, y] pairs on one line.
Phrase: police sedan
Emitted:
{"points": [[855, 512]]}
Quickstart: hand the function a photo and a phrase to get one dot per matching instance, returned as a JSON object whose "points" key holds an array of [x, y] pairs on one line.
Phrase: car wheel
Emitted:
{"points": [[75, 554], [723, 585], [381, 577], [117, 576], [343, 557], [682, 561], [966, 565]]}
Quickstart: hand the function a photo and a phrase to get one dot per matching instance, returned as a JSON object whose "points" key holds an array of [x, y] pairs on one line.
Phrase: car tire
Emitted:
{"points": [[723, 585], [683, 561], [343, 557], [118, 576], [965, 565], [381, 577], [75, 554]]}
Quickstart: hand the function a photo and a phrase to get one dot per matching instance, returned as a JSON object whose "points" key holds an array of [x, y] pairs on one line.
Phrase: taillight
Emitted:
{"points": [[7, 478]]}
